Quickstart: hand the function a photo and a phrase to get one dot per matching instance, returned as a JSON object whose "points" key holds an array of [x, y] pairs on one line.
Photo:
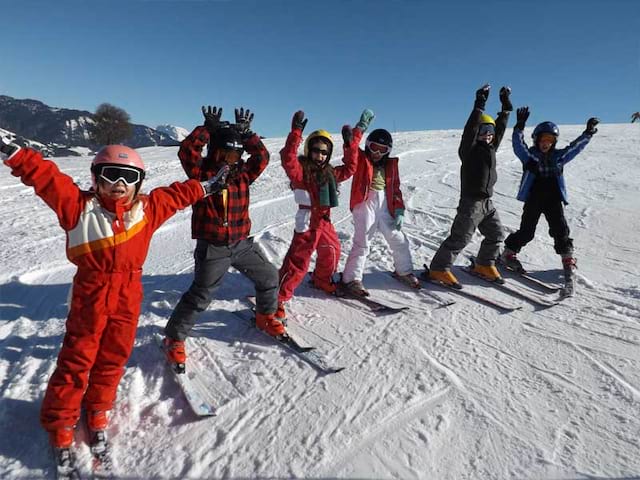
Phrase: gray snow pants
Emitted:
{"points": [[472, 214], [212, 262]]}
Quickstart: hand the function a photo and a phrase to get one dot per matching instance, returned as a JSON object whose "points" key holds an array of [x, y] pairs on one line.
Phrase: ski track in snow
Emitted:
{"points": [[446, 393]]}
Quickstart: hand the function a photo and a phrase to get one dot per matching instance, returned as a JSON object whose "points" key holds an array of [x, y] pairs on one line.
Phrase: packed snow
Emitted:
{"points": [[462, 392]]}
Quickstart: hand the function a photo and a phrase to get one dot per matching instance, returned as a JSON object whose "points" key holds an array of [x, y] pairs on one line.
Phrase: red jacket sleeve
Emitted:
{"points": [[289, 156], [350, 159], [258, 158], [166, 201], [54, 187], [190, 153]]}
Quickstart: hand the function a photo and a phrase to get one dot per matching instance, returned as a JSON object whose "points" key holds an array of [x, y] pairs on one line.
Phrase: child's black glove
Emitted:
{"points": [[591, 126], [347, 134], [298, 121], [243, 123], [212, 118], [482, 95], [504, 99], [522, 114]]}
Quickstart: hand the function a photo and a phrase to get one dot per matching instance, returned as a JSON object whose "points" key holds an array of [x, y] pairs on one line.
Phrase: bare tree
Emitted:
{"points": [[112, 125], [635, 116]]}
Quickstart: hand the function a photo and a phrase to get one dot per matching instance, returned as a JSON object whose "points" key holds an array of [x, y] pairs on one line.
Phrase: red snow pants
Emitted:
{"points": [[100, 332], [323, 240]]}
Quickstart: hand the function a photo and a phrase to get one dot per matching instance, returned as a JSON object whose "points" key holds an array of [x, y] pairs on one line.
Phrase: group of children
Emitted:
{"points": [[109, 229]]}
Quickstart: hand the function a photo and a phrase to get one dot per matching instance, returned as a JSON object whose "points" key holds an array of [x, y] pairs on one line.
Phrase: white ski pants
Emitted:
{"points": [[371, 216]]}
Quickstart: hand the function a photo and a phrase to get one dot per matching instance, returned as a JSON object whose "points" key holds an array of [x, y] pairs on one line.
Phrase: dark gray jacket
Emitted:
{"points": [[478, 171]]}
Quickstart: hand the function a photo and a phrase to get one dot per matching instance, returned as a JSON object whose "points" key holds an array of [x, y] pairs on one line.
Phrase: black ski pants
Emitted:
{"points": [[212, 263], [553, 210]]}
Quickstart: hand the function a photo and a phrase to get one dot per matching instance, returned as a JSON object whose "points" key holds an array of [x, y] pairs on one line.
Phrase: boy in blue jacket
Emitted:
{"points": [[543, 190]]}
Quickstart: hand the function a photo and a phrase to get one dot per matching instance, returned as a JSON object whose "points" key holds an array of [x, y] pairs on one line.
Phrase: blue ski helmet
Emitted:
{"points": [[545, 127]]}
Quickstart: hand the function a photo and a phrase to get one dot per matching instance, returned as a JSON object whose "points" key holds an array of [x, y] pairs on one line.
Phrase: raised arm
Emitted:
{"points": [[289, 153], [520, 148], [57, 189], [574, 148], [470, 132]]}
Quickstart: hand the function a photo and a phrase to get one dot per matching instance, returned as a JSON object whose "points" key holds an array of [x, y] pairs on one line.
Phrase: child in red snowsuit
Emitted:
{"points": [[315, 183], [108, 232]]}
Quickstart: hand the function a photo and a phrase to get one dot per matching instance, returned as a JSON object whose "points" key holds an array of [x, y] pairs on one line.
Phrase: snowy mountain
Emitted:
{"points": [[177, 133], [61, 129], [462, 392]]}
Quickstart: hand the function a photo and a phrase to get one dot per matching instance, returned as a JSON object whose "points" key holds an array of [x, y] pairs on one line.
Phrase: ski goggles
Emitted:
{"points": [[113, 174], [486, 129], [380, 148]]}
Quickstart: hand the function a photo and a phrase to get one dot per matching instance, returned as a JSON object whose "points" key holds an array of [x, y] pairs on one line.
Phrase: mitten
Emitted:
{"points": [[298, 122], [366, 118], [522, 114], [399, 218], [482, 95], [591, 126], [505, 92]]}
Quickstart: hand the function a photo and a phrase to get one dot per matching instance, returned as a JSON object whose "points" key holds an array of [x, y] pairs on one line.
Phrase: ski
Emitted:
{"points": [[528, 278], [102, 462], [376, 306], [186, 381], [510, 290], [428, 293], [489, 302], [66, 468], [308, 354]]}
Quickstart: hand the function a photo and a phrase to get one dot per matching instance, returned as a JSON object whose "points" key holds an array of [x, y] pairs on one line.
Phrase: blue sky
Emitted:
{"points": [[417, 64]]}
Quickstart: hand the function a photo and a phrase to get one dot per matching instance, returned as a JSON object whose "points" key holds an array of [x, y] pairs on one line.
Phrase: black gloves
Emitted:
{"points": [[522, 114], [212, 118], [298, 121], [347, 134], [504, 99], [7, 148], [482, 95], [532, 166], [591, 126], [243, 123]]}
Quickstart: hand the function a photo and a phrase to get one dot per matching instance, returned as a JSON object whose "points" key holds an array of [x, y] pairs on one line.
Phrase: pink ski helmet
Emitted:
{"points": [[117, 155]]}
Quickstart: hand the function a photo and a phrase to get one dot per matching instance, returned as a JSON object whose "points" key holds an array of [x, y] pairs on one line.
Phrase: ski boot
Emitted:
{"points": [[97, 422], [268, 323], [61, 441], [355, 288], [569, 266], [487, 272], [409, 279], [281, 313], [509, 259], [176, 354], [444, 277]]}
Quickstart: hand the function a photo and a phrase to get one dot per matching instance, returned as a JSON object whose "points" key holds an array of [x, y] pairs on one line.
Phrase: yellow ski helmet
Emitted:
{"points": [[484, 118], [321, 135]]}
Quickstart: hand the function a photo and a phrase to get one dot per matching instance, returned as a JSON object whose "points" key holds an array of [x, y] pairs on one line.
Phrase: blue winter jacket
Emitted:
{"points": [[559, 158]]}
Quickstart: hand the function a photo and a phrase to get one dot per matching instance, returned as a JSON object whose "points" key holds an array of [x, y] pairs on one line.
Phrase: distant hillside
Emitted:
{"points": [[60, 130]]}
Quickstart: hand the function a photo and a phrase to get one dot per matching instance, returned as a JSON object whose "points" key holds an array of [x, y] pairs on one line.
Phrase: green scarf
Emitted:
{"points": [[328, 193]]}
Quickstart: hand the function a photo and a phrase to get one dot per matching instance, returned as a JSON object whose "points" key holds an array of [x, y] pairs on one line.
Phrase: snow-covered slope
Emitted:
{"points": [[432, 393]]}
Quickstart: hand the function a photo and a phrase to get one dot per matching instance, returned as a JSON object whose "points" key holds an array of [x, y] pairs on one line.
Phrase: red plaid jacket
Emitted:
{"points": [[209, 220]]}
